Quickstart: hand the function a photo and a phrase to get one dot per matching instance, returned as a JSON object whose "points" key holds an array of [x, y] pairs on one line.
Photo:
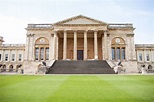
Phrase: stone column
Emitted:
{"points": [[95, 46], [85, 45], [75, 45], [55, 45], [65, 46], [105, 46]]}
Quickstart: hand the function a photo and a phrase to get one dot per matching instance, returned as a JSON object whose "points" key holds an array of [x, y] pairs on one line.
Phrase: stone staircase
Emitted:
{"points": [[81, 67]]}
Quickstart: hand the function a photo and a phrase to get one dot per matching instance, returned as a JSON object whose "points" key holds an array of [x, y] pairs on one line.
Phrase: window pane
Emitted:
{"points": [[20, 57], [148, 58], [123, 53], [0, 57], [13, 57], [140, 57], [6, 57], [118, 53], [113, 53], [36, 53], [42, 53], [47, 53]]}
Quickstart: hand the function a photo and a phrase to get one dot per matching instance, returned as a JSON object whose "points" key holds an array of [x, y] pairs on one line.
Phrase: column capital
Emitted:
{"points": [[105, 31], [30, 35], [85, 31], [56, 30], [65, 30], [75, 31], [55, 33]]}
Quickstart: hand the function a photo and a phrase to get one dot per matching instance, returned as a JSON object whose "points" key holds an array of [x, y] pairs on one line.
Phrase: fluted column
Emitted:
{"points": [[75, 45], [65, 46], [85, 45], [95, 45]]}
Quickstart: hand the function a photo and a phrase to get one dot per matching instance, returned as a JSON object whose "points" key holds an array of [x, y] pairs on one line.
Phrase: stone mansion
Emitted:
{"points": [[73, 39]]}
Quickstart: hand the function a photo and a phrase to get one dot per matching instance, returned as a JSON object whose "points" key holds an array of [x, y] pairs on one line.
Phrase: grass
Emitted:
{"points": [[76, 88]]}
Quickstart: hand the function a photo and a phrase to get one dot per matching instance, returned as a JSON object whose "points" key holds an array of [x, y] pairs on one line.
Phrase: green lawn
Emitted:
{"points": [[76, 88]]}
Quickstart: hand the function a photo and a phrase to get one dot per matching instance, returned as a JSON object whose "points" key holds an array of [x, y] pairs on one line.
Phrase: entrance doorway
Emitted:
{"points": [[79, 54]]}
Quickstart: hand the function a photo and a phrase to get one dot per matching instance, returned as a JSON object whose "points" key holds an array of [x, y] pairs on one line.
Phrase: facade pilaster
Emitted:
{"points": [[9, 55], [2, 58], [85, 45], [31, 52], [95, 45], [75, 45], [16, 56], [133, 48], [65, 46], [27, 47]]}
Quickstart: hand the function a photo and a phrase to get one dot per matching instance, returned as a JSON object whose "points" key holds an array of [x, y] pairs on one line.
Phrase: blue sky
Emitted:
{"points": [[16, 14]]}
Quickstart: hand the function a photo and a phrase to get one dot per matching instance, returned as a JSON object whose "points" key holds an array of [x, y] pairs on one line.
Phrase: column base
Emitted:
{"points": [[96, 57]]}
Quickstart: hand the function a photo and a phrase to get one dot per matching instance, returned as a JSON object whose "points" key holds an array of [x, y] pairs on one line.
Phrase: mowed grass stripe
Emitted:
{"points": [[135, 88], [76, 88], [36, 90], [86, 89]]}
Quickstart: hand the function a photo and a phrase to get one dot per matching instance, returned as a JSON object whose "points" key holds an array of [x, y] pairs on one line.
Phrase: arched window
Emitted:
{"points": [[11, 68], [42, 49], [118, 48], [4, 68]]}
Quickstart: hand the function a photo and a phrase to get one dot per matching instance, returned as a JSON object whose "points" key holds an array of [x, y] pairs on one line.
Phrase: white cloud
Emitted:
{"points": [[13, 29]]}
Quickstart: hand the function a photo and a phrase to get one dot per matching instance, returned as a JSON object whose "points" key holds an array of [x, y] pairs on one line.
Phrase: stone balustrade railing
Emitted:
{"points": [[144, 45], [12, 45], [40, 26], [127, 25]]}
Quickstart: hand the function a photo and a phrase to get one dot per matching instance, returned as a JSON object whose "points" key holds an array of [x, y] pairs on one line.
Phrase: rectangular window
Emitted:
{"points": [[123, 53], [42, 53], [20, 57], [0, 57], [118, 53], [6, 57], [113, 53], [36, 53], [13, 57], [140, 57], [148, 57], [47, 53]]}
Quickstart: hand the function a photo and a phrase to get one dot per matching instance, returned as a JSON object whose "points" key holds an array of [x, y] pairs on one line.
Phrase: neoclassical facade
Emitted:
{"points": [[79, 38]]}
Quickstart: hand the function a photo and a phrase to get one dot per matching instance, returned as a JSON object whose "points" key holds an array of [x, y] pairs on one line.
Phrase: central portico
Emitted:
{"points": [[80, 38], [79, 44]]}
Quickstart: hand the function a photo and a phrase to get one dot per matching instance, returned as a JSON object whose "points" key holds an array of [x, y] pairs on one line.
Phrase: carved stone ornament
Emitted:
{"points": [[42, 40], [117, 40]]}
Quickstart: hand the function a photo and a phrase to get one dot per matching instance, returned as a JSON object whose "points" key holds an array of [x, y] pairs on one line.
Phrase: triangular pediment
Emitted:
{"points": [[80, 20]]}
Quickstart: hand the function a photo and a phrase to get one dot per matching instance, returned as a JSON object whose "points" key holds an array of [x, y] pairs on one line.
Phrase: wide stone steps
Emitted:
{"points": [[81, 67]]}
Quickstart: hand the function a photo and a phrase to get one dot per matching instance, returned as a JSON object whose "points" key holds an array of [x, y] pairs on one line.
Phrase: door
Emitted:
{"points": [[80, 54]]}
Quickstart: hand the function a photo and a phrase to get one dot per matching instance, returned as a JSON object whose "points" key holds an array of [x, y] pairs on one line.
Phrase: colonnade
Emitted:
{"points": [[65, 35]]}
